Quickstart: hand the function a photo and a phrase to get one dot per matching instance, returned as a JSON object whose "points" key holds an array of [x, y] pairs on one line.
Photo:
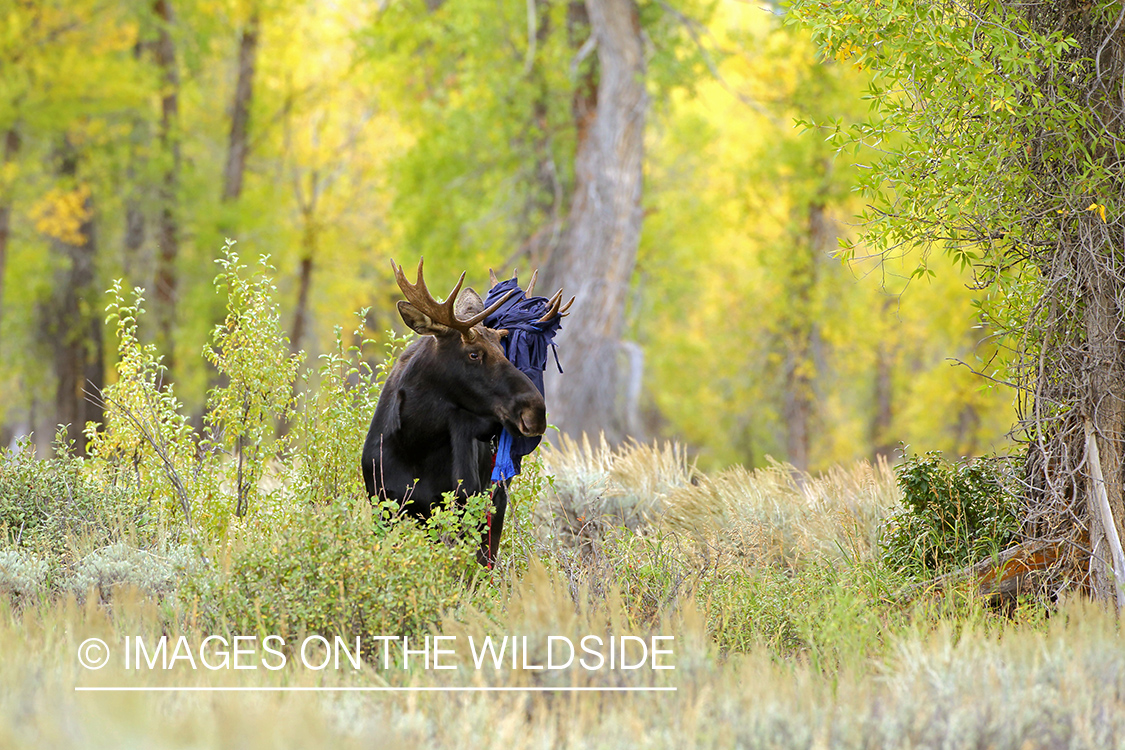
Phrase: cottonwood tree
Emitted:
{"points": [[999, 128], [530, 152], [72, 324], [166, 294], [332, 142], [805, 358], [595, 259], [238, 147]]}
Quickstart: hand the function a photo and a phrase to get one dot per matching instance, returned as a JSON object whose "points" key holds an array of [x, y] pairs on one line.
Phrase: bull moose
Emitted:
{"points": [[445, 402]]}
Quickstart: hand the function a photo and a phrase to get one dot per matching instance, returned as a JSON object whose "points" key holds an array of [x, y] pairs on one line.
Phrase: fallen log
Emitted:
{"points": [[1002, 578]]}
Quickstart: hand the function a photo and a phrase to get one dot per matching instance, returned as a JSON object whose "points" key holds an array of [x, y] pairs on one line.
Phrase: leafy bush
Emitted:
{"points": [[120, 564], [22, 575], [335, 410], [346, 569], [43, 502], [52, 509], [251, 350], [146, 445], [953, 515]]}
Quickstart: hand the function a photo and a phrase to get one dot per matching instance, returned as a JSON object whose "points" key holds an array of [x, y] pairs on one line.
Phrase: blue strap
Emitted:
{"points": [[504, 468]]}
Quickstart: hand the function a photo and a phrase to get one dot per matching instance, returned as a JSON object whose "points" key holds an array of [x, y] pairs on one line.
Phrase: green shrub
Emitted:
{"points": [[953, 515], [22, 575], [120, 564], [146, 446], [344, 569], [45, 503], [54, 509], [336, 405], [252, 352]]}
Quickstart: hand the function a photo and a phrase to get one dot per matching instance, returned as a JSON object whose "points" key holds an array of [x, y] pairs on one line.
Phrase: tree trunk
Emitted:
{"points": [[883, 417], [798, 404], [967, 429], [138, 270], [240, 111], [310, 237], [596, 256], [168, 230], [11, 148], [75, 324], [1018, 570], [304, 283], [134, 239], [1105, 328], [309, 240], [801, 334]]}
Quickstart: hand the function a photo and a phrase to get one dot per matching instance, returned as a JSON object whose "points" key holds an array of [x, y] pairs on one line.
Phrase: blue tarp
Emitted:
{"points": [[526, 347]]}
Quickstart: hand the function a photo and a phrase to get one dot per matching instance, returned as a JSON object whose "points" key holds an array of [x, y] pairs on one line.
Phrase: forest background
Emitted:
{"points": [[331, 136]]}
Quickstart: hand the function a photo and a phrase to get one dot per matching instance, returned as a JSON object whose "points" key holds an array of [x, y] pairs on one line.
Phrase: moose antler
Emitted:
{"points": [[442, 312], [493, 281], [553, 307]]}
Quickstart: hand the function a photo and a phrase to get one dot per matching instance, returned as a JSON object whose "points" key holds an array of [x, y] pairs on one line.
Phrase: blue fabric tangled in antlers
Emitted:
{"points": [[526, 347]]}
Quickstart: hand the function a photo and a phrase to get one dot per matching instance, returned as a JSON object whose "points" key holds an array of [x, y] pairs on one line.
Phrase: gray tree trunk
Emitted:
{"points": [[1105, 402], [595, 259], [801, 332], [167, 237], [137, 265], [11, 148], [882, 417], [74, 325], [240, 111], [309, 241]]}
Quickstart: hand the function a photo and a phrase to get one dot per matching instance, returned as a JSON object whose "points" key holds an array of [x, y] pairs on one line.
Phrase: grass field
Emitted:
{"points": [[786, 631]]}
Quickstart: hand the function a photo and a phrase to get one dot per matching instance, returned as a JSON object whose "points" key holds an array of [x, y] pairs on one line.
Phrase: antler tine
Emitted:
{"points": [[552, 307], [492, 280], [531, 284], [404, 285]]}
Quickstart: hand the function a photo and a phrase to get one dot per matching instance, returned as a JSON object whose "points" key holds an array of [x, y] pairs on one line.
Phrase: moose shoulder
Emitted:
{"points": [[444, 402]]}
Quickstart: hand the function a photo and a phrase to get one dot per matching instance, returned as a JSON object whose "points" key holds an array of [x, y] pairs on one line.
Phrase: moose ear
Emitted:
{"points": [[468, 304], [419, 322]]}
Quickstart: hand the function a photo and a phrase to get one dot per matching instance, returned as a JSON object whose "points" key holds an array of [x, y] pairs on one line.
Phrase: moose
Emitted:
{"points": [[445, 402]]}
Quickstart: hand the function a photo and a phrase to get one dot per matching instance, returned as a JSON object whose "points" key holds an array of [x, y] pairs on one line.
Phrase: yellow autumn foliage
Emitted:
{"points": [[61, 214]]}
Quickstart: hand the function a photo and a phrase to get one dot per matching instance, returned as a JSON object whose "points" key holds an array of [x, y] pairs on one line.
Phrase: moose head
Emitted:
{"points": [[469, 366]]}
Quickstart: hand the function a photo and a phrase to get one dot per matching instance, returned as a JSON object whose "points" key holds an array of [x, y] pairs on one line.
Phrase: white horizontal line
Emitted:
{"points": [[221, 689]]}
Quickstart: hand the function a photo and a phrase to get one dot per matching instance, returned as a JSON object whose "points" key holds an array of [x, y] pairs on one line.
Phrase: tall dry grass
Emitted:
{"points": [[771, 516], [767, 580], [777, 516], [1058, 685]]}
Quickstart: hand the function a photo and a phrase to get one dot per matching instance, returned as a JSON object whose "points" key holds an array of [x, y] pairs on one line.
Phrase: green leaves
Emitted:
{"points": [[146, 442], [252, 352], [953, 515], [336, 570], [985, 117], [335, 408]]}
